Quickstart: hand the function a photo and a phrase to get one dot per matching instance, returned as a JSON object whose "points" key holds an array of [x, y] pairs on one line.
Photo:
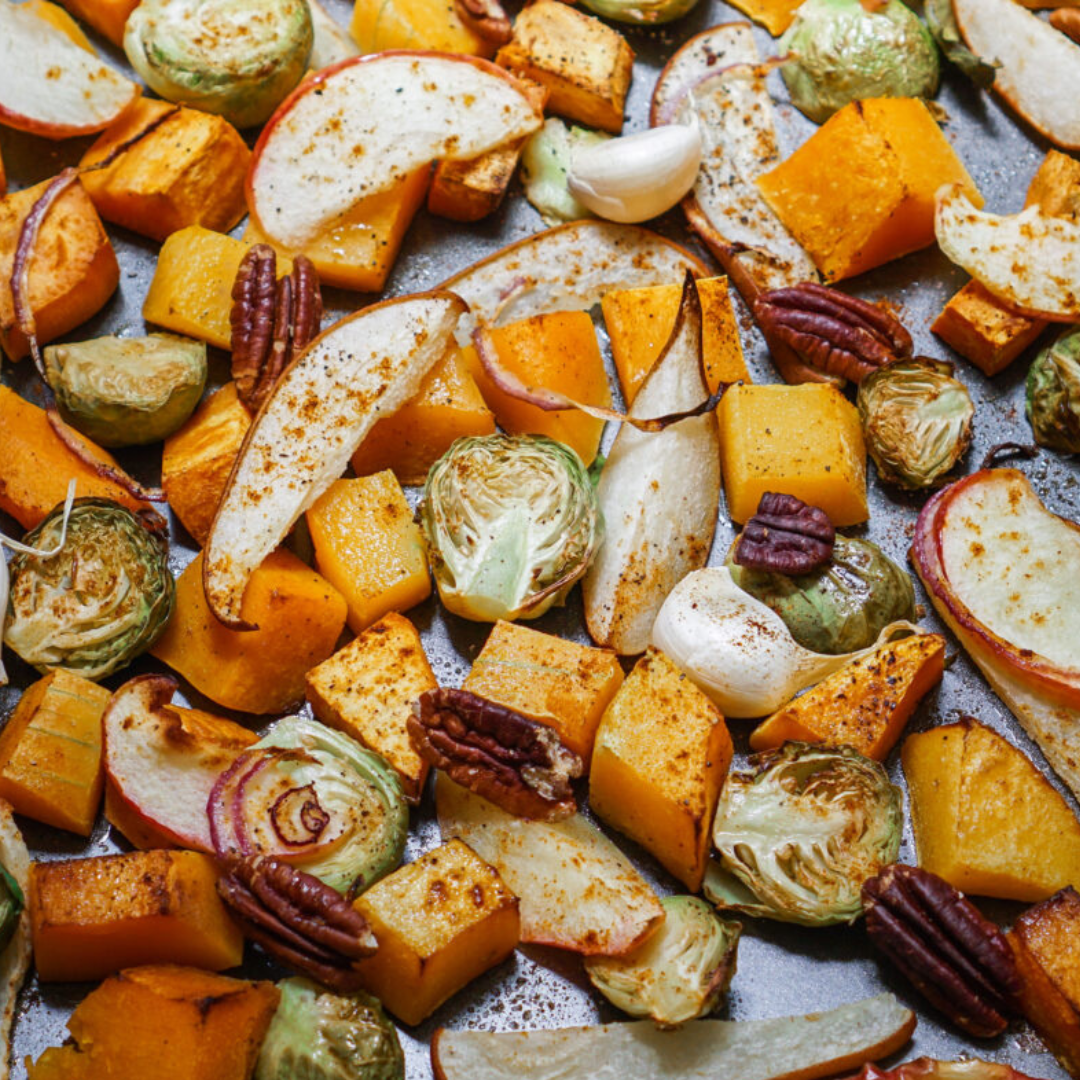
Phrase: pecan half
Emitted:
{"points": [[959, 960], [495, 752], [271, 320], [298, 920], [831, 331], [785, 536], [486, 18]]}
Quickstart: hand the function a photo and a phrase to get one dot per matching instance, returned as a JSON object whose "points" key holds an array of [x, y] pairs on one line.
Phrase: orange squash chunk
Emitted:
{"points": [[639, 323], [359, 251], [197, 459], [50, 752], [448, 406], [558, 351], [556, 682], [165, 1022], [378, 25], [299, 616], [662, 753], [440, 922], [860, 191], [35, 465], [107, 17], [191, 291], [775, 15], [865, 704], [73, 272], [91, 917], [369, 548], [189, 170]]}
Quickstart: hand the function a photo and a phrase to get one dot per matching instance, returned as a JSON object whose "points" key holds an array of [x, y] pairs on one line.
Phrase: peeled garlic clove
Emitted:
{"points": [[637, 177]]}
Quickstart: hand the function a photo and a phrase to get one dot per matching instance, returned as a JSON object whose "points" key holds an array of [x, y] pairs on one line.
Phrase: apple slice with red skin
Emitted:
{"points": [[164, 762], [363, 125], [49, 85]]}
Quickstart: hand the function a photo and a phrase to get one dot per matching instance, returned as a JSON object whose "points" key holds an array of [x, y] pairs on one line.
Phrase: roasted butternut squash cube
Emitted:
{"points": [[662, 752], [368, 547], [107, 17], [557, 351], [865, 704], [50, 752], [367, 690], [197, 459], [91, 917], [188, 170], [556, 682], [860, 191], [440, 922], [37, 464], [171, 1023], [448, 406], [359, 251], [639, 323], [72, 274], [985, 818], [775, 15], [1055, 187], [796, 440], [191, 292], [584, 63], [378, 25], [1046, 943], [299, 616]]}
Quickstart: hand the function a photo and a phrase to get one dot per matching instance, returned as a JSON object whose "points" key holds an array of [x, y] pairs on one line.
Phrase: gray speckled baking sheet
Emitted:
{"points": [[782, 969]]}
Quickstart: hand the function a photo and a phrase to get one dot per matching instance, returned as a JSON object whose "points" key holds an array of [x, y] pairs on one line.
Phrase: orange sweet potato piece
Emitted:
{"points": [[91, 917], [197, 459], [299, 616], [865, 704], [35, 465], [557, 351], [165, 1022], [107, 17], [189, 170], [73, 272]]}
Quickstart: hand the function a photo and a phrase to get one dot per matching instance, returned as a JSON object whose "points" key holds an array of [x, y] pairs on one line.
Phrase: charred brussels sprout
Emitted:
{"points": [[801, 832], [680, 972], [358, 792], [1053, 394], [917, 421], [512, 521], [318, 1035], [844, 51], [12, 903], [236, 58], [97, 604], [842, 606], [127, 391]]}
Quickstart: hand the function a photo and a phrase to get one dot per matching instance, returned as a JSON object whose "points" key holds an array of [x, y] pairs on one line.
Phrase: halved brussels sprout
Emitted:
{"points": [[842, 606], [844, 50], [1053, 394], [103, 599], [512, 521], [357, 789], [917, 421], [641, 12], [681, 971], [12, 903], [799, 834], [127, 391], [319, 1035], [236, 58], [545, 166]]}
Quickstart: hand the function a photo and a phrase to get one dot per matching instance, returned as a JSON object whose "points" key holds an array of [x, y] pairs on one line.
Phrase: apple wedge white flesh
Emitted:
{"points": [[973, 544], [577, 889], [568, 268], [162, 766], [1039, 67], [361, 126], [15, 958], [1030, 260], [659, 493], [364, 367], [332, 44], [788, 1048], [49, 85]]}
